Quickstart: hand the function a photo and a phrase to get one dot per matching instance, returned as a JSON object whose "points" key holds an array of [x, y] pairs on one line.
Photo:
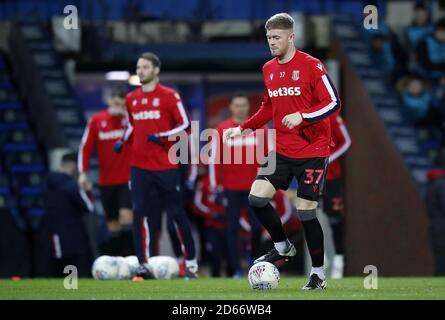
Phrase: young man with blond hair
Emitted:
{"points": [[299, 98]]}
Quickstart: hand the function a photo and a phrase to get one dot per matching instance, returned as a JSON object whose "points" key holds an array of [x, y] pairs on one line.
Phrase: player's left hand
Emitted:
{"points": [[292, 120], [154, 138]]}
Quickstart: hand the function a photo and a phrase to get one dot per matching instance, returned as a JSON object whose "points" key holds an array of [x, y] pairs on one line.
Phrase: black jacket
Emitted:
{"points": [[65, 206]]}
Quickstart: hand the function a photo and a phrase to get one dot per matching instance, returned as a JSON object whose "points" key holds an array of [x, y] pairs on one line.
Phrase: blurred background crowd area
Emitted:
{"points": [[52, 78]]}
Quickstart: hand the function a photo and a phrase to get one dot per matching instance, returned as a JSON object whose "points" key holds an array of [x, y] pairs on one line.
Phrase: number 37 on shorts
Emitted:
{"points": [[315, 178]]}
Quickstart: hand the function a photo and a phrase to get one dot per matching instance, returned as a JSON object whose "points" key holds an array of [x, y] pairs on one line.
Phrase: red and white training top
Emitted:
{"points": [[300, 85], [205, 206], [157, 112], [102, 131], [342, 142], [238, 171]]}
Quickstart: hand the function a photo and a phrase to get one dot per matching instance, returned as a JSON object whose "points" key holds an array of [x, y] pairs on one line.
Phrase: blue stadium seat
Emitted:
{"points": [[11, 115], [6, 95], [27, 168], [13, 126], [7, 201], [22, 157], [28, 182], [31, 201], [15, 147], [16, 136], [4, 185], [9, 104], [5, 84]]}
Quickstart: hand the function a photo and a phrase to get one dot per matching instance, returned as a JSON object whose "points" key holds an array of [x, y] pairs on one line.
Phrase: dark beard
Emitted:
{"points": [[147, 81]]}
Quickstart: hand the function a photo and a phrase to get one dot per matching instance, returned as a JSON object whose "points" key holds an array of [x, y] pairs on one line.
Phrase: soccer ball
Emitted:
{"points": [[105, 268], [124, 271], [264, 276], [133, 264], [163, 267]]}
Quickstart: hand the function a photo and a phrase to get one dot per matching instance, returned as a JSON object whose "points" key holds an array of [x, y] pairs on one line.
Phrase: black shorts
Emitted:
{"points": [[115, 198], [309, 172]]}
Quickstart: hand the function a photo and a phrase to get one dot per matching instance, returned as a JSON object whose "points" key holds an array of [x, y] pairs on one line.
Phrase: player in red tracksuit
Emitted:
{"points": [[214, 222], [188, 175], [236, 177], [104, 129], [299, 97], [333, 199], [156, 113]]}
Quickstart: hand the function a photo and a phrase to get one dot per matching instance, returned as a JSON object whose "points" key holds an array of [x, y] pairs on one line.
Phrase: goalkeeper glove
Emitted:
{"points": [[117, 147], [154, 138]]}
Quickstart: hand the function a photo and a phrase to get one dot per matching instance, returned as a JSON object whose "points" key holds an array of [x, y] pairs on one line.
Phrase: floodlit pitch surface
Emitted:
{"points": [[215, 289]]}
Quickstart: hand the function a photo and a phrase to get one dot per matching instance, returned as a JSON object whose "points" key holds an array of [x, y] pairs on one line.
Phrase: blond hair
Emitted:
{"points": [[282, 21]]}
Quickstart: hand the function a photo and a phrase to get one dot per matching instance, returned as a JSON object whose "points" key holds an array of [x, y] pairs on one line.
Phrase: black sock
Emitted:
{"points": [[126, 241], [114, 243], [315, 240], [338, 235], [271, 221]]}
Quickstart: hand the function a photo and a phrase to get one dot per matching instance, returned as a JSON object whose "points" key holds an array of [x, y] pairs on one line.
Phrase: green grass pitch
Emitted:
{"points": [[215, 289]]}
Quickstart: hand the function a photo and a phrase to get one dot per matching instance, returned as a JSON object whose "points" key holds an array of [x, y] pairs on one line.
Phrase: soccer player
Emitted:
{"points": [[66, 205], [236, 179], [282, 206], [188, 175], [104, 129], [156, 112], [299, 97], [333, 198], [205, 206]]}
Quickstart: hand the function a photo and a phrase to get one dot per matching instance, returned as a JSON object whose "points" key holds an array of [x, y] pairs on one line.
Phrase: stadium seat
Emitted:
{"points": [[28, 183], [31, 201], [11, 115], [16, 136], [16, 147], [5, 84], [4, 185], [9, 104], [6, 94], [22, 158]]}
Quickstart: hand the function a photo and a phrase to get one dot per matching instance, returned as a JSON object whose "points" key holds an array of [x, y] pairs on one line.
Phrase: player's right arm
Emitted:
{"points": [[258, 120], [261, 117], [86, 149]]}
